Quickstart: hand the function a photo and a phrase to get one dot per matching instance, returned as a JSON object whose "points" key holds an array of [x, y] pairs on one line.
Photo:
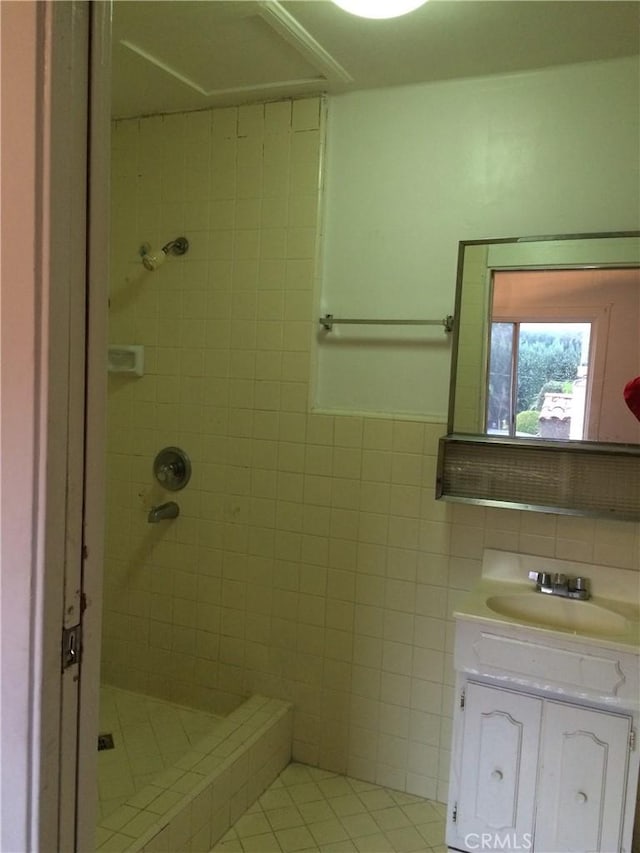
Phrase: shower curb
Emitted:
{"points": [[210, 787]]}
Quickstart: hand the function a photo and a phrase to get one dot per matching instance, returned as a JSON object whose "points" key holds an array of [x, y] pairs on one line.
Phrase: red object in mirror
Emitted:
{"points": [[632, 396]]}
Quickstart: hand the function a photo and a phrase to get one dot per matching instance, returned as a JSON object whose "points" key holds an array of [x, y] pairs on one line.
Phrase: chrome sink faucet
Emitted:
{"points": [[559, 584]]}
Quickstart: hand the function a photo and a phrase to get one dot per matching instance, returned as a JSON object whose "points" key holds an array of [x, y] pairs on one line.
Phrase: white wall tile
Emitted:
{"points": [[310, 558]]}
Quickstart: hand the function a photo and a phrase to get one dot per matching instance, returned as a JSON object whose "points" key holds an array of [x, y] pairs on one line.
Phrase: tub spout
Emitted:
{"points": [[159, 513]]}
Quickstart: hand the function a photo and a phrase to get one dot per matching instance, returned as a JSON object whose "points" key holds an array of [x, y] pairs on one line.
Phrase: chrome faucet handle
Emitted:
{"points": [[578, 584], [172, 468], [542, 581]]}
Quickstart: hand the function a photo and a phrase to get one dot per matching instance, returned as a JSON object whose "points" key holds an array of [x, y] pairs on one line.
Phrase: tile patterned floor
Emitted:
{"points": [[149, 736], [307, 809]]}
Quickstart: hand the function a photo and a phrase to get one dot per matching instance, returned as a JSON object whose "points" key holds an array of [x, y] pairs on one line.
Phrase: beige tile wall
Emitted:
{"points": [[310, 561]]}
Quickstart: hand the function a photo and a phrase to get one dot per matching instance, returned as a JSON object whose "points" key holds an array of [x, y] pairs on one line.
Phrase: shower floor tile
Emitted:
{"points": [[149, 736], [307, 809]]}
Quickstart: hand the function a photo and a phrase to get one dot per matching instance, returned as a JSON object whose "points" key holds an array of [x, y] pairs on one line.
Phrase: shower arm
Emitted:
{"points": [[176, 247]]}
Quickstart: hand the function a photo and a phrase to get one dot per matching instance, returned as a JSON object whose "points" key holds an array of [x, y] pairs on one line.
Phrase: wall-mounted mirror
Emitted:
{"points": [[548, 334]]}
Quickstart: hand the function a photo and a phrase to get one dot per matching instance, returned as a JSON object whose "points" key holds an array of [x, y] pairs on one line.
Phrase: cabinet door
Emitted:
{"points": [[500, 733], [582, 780]]}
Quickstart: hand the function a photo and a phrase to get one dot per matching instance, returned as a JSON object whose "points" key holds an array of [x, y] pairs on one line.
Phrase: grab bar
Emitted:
{"points": [[328, 322]]}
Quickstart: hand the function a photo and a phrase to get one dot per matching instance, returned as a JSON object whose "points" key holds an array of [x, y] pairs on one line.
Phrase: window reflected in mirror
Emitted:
{"points": [[551, 319], [538, 379]]}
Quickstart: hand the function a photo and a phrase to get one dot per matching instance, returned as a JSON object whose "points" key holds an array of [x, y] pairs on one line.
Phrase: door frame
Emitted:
{"points": [[50, 514], [97, 287]]}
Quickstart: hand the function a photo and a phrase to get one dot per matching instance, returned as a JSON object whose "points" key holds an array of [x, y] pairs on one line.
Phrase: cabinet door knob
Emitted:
{"points": [[581, 797], [497, 775]]}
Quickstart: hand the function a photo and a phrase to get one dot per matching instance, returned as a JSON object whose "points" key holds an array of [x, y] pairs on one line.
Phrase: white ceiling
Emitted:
{"points": [[174, 55]]}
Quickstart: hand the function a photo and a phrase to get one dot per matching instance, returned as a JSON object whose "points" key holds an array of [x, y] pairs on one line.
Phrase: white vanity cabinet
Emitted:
{"points": [[537, 774], [544, 756]]}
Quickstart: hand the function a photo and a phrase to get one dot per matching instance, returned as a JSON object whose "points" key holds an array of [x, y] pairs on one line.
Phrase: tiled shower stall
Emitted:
{"points": [[310, 562]]}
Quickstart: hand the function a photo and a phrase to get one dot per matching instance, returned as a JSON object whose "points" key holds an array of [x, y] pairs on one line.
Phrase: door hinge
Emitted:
{"points": [[462, 698], [454, 814], [71, 646], [632, 740]]}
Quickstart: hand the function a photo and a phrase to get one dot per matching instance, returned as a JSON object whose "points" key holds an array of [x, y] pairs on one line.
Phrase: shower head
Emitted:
{"points": [[153, 258]]}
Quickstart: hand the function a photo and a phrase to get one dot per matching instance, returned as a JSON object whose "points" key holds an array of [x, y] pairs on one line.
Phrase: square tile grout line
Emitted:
{"points": [[313, 810]]}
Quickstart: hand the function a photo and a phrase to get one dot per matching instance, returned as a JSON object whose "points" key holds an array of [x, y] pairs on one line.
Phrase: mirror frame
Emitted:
{"points": [[463, 245]]}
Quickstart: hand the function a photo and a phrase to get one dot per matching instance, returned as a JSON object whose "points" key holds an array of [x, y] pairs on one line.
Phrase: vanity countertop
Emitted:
{"points": [[601, 621]]}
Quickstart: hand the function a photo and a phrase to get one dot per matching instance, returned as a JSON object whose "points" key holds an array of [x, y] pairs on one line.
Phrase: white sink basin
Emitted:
{"points": [[552, 611]]}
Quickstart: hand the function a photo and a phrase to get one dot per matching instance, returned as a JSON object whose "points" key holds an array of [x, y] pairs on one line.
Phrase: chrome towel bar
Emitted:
{"points": [[328, 322]]}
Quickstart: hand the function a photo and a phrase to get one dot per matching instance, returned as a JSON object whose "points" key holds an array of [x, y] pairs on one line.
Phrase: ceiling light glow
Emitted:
{"points": [[379, 8]]}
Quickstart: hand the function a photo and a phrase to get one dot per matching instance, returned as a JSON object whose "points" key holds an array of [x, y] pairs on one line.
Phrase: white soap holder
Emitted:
{"points": [[126, 358]]}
